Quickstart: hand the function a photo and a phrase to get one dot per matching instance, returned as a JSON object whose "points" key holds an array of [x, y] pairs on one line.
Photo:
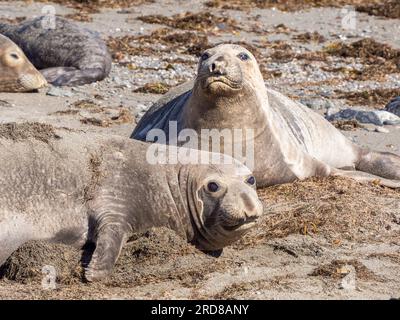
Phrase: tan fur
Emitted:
{"points": [[73, 187], [290, 141], [17, 74]]}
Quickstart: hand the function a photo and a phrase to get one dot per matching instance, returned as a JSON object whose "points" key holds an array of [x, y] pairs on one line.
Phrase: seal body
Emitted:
{"points": [[17, 74], [75, 189], [289, 140], [65, 53]]}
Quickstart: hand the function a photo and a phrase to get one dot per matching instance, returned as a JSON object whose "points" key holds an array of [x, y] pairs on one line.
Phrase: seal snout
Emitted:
{"points": [[218, 67], [17, 73], [252, 208], [249, 211], [220, 72], [31, 79]]}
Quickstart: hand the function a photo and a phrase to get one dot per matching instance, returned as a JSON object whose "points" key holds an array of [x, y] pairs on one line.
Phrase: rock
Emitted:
{"points": [[349, 281], [58, 92], [317, 103], [381, 130], [331, 111], [377, 117], [394, 106]]}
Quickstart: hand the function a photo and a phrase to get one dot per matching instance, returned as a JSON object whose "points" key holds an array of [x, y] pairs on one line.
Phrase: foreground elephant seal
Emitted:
{"points": [[69, 187], [66, 55], [289, 140], [17, 74]]}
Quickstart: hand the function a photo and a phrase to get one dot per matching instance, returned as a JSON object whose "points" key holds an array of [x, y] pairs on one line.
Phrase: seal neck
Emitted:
{"points": [[243, 110], [200, 235], [184, 207]]}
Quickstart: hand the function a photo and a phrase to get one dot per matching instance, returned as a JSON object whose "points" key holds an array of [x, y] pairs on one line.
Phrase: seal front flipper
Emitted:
{"points": [[70, 76], [110, 236], [167, 109]]}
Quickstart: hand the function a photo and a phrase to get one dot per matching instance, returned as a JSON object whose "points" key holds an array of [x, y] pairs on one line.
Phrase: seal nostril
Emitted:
{"points": [[213, 67]]}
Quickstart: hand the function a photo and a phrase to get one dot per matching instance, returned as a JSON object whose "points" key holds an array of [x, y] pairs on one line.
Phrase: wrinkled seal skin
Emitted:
{"points": [[291, 141], [67, 55], [17, 74], [76, 189]]}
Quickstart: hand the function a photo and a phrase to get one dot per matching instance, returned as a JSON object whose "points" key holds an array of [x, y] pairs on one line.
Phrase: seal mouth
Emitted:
{"points": [[245, 224], [222, 80]]}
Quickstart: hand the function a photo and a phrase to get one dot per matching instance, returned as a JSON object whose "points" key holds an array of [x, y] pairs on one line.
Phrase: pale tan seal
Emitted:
{"points": [[290, 141], [72, 187], [17, 74]]}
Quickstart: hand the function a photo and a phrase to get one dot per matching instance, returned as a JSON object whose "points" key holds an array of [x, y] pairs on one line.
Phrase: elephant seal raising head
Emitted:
{"points": [[101, 189], [282, 139], [17, 74], [227, 70]]}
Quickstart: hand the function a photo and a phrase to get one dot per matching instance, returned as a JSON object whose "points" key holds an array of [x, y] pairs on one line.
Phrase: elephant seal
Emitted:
{"points": [[17, 74], [289, 140], [67, 55], [73, 187]]}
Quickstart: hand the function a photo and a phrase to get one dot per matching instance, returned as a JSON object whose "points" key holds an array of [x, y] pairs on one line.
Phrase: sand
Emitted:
{"points": [[321, 238]]}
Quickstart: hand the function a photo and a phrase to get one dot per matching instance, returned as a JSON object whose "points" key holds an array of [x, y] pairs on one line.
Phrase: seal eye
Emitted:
{"points": [[205, 56], [251, 180], [14, 56], [213, 187], [243, 56]]}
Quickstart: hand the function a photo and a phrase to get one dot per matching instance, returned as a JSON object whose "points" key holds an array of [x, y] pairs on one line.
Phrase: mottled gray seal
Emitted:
{"points": [[66, 55], [17, 74], [72, 187], [290, 141]]}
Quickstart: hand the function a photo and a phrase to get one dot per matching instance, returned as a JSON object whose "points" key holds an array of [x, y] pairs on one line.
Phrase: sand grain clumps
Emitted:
{"points": [[150, 257], [338, 209], [338, 269], [28, 130], [160, 254], [36, 260]]}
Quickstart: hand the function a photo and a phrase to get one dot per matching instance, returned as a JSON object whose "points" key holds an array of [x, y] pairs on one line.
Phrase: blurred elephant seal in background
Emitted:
{"points": [[60, 186], [17, 74], [289, 141], [67, 55]]}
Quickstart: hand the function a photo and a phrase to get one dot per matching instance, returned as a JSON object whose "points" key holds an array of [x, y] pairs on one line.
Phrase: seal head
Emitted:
{"points": [[225, 70], [17, 74], [223, 204]]}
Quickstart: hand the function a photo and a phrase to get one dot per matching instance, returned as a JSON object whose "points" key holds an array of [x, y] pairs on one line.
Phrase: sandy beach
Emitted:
{"points": [[329, 238]]}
